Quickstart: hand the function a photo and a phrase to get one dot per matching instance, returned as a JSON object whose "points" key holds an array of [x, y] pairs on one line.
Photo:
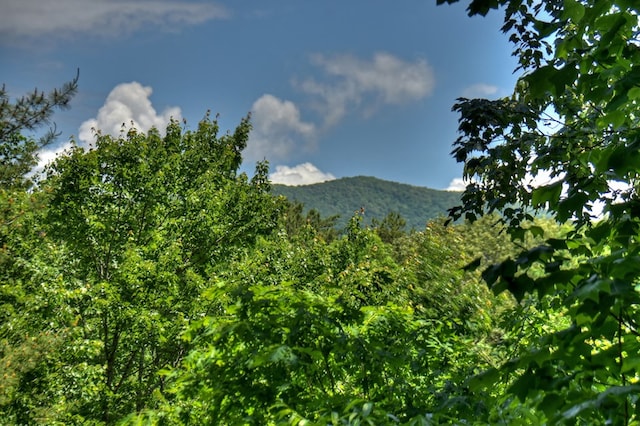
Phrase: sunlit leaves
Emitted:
{"points": [[584, 88], [309, 330], [573, 10], [146, 219]]}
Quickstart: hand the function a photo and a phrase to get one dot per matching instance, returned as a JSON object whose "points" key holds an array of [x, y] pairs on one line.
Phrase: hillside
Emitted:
{"points": [[378, 197]]}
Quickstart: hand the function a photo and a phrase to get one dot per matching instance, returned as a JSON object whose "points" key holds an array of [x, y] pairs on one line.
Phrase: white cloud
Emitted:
{"points": [[614, 195], [348, 83], [541, 178], [47, 155], [480, 90], [384, 79], [32, 19], [302, 174], [617, 190], [457, 184], [127, 103], [277, 131]]}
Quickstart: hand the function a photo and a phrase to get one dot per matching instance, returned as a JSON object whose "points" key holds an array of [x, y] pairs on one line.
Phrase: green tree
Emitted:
{"points": [[329, 332], [573, 115], [391, 228], [295, 221], [18, 152], [29, 343], [144, 221], [33, 314]]}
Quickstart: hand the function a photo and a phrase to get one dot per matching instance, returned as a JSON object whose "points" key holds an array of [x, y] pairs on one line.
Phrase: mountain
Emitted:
{"points": [[378, 197]]}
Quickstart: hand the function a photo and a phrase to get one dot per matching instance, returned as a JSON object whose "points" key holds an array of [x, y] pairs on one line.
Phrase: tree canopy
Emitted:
{"points": [[18, 151], [573, 116], [147, 281]]}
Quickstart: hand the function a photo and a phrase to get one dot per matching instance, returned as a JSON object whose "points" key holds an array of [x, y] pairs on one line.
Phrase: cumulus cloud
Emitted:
{"points": [[278, 130], [617, 190], [354, 82], [457, 184], [541, 178], [347, 83], [480, 90], [302, 174], [127, 104], [31, 19], [47, 155]]}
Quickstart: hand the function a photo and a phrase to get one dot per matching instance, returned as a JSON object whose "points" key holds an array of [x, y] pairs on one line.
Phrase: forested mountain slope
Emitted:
{"points": [[378, 198]]}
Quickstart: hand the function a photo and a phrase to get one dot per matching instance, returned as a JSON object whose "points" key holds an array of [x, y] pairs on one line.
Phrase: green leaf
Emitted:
{"points": [[484, 380], [542, 195], [612, 392], [593, 288], [616, 118], [634, 93], [491, 274], [541, 81], [481, 7], [523, 385], [623, 159], [573, 10], [536, 231], [366, 409], [631, 364]]}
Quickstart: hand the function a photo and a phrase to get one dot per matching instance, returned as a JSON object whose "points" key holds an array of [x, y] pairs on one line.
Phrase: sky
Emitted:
{"points": [[334, 88]]}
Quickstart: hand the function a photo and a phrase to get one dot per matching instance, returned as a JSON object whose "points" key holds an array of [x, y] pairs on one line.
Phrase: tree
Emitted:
{"points": [[573, 115], [144, 221], [334, 332], [28, 264], [391, 228], [18, 152], [295, 222], [33, 314]]}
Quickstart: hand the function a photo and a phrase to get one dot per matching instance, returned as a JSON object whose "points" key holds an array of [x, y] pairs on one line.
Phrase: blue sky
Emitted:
{"points": [[335, 88]]}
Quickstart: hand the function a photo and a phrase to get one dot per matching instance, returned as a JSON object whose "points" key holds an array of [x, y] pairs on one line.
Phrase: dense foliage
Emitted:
{"points": [[116, 252], [147, 281], [574, 116], [379, 198]]}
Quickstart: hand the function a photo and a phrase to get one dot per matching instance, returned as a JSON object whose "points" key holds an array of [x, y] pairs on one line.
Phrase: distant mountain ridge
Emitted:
{"points": [[417, 205]]}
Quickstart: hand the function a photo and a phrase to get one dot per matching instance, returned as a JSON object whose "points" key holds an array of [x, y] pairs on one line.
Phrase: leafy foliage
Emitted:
{"points": [[295, 221], [33, 312], [146, 281], [311, 331], [573, 115], [122, 305], [138, 223]]}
